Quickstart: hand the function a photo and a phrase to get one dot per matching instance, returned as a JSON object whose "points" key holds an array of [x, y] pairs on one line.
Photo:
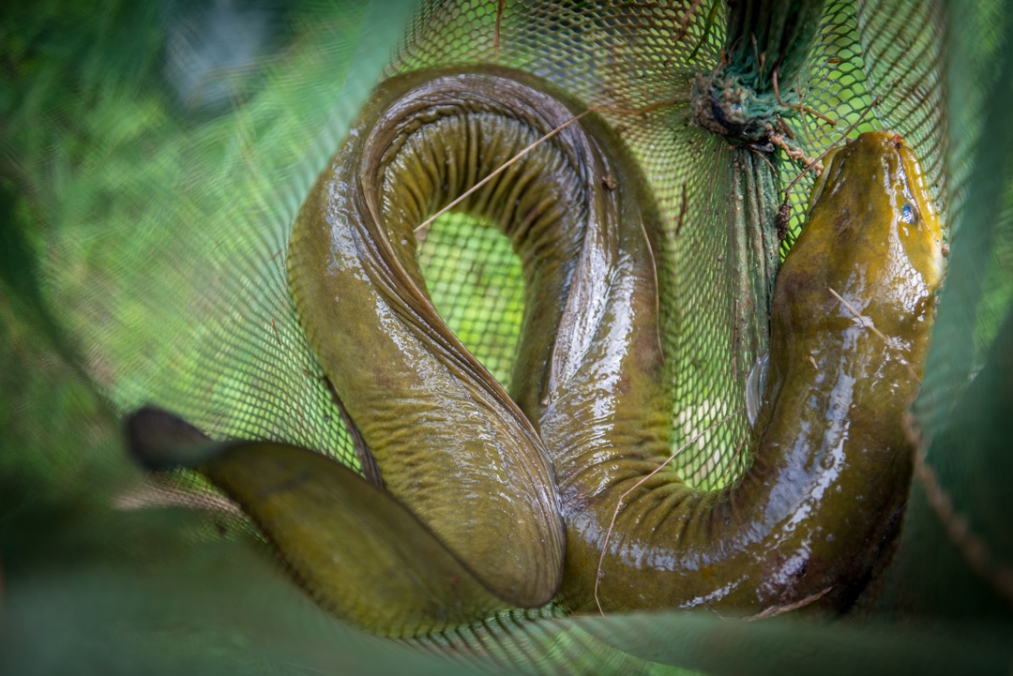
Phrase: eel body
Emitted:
{"points": [[509, 500]]}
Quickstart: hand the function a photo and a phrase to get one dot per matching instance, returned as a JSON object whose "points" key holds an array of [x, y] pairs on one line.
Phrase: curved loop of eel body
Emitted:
{"points": [[475, 500]]}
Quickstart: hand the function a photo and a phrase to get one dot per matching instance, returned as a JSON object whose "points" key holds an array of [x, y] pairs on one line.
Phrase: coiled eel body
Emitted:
{"points": [[447, 439], [477, 496]]}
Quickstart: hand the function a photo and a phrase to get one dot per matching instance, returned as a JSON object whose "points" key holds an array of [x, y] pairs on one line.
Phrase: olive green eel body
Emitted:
{"points": [[492, 492], [831, 463]]}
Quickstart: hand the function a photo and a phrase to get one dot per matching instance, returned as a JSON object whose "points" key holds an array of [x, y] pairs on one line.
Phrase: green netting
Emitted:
{"points": [[154, 158], [696, 176], [475, 281]]}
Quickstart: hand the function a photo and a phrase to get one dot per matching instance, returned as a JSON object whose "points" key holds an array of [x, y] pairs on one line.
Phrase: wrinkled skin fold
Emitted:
{"points": [[507, 499]]}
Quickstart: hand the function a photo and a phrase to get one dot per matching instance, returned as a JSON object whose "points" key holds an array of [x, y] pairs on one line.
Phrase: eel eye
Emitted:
{"points": [[908, 214]]}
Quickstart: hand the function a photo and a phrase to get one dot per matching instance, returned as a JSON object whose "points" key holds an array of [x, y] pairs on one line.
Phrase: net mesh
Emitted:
{"points": [[623, 59], [197, 317], [151, 181]]}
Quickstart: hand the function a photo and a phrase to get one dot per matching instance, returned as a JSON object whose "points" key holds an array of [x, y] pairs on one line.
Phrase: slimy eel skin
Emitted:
{"points": [[507, 499]]}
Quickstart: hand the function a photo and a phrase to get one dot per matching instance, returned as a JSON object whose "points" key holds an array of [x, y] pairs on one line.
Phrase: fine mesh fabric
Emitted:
{"points": [[203, 324], [154, 158], [623, 59]]}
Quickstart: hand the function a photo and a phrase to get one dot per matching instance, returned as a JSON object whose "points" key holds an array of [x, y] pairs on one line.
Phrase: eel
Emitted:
{"points": [[474, 500]]}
